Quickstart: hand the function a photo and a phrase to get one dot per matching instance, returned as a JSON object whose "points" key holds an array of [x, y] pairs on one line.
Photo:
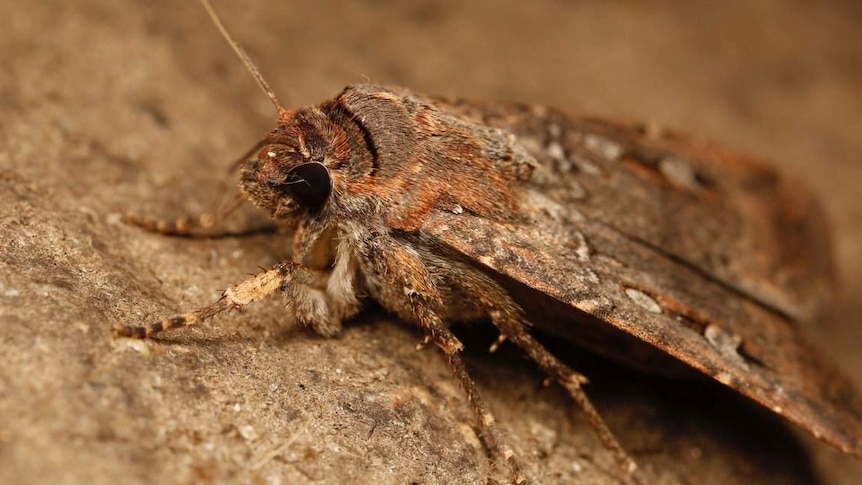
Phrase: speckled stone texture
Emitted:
{"points": [[106, 106]]}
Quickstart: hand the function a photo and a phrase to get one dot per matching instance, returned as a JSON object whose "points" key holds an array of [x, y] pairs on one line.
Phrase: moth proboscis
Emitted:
{"points": [[635, 241]]}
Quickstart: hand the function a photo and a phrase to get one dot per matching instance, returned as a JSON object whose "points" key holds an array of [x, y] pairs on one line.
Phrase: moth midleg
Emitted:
{"points": [[410, 289], [488, 430], [253, 289]]}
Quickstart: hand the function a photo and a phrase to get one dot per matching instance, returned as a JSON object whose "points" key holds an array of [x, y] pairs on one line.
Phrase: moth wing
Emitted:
{"points": [[730, 216], [648, 267], [655, 299]]}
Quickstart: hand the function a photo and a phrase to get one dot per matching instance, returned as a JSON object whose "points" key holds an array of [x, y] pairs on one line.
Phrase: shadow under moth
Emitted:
{"points": [[641, 243]]}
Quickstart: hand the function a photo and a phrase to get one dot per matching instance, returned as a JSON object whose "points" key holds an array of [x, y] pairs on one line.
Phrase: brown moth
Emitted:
{"points": [[446, 210]]}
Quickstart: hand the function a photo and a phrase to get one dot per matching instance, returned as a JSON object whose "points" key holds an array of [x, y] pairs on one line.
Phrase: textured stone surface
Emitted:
{"points": [[106, 106]]}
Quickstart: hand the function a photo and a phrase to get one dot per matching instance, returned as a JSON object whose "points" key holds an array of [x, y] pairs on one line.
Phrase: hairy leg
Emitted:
{"points": [[201, 226], [509, 318], [571, 380], [282, 277], [409, 289]]}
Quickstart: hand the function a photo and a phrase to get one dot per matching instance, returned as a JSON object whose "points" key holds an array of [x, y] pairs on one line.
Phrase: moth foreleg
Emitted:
{"points": [[260, 286], [204, 225]]}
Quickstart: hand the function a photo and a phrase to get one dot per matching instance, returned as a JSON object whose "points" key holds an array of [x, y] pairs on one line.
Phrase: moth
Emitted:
{"points": [[641, 243]]}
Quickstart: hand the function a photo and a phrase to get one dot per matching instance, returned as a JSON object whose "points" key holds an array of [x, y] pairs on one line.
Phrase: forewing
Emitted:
{"points": [[702, 254]]}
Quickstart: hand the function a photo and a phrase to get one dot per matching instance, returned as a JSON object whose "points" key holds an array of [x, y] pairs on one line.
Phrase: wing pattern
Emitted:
{"points": [[701, 253]]}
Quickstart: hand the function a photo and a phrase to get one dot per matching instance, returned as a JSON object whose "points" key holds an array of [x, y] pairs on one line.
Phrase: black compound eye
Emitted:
{"points": [[309, 184]]}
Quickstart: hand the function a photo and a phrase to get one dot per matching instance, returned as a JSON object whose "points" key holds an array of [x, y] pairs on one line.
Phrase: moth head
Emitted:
{"points": [[293, 170]]}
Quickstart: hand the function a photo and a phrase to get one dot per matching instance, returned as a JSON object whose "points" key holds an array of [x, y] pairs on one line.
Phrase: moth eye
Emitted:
{"points": [[309, 184]]}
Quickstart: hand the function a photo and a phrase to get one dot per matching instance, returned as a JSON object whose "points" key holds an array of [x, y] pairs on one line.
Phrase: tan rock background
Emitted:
{"points": [[111, 105]]}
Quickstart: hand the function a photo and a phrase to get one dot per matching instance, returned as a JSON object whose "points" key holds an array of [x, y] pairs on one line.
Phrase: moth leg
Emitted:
{"points": [[495, 303], [203, 225], [488, 429], [282, 276], [410, 290], [515, 329]]}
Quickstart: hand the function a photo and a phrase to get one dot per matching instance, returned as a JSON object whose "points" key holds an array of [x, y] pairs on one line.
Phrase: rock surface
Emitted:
{"points": [[107, 106]]}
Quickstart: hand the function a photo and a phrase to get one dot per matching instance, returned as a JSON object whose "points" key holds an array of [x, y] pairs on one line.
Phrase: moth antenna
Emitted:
{"points": [[245, 59]]}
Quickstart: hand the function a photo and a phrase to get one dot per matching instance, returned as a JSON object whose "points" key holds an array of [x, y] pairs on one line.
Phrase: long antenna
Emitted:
{"points": [[245, 59]]}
